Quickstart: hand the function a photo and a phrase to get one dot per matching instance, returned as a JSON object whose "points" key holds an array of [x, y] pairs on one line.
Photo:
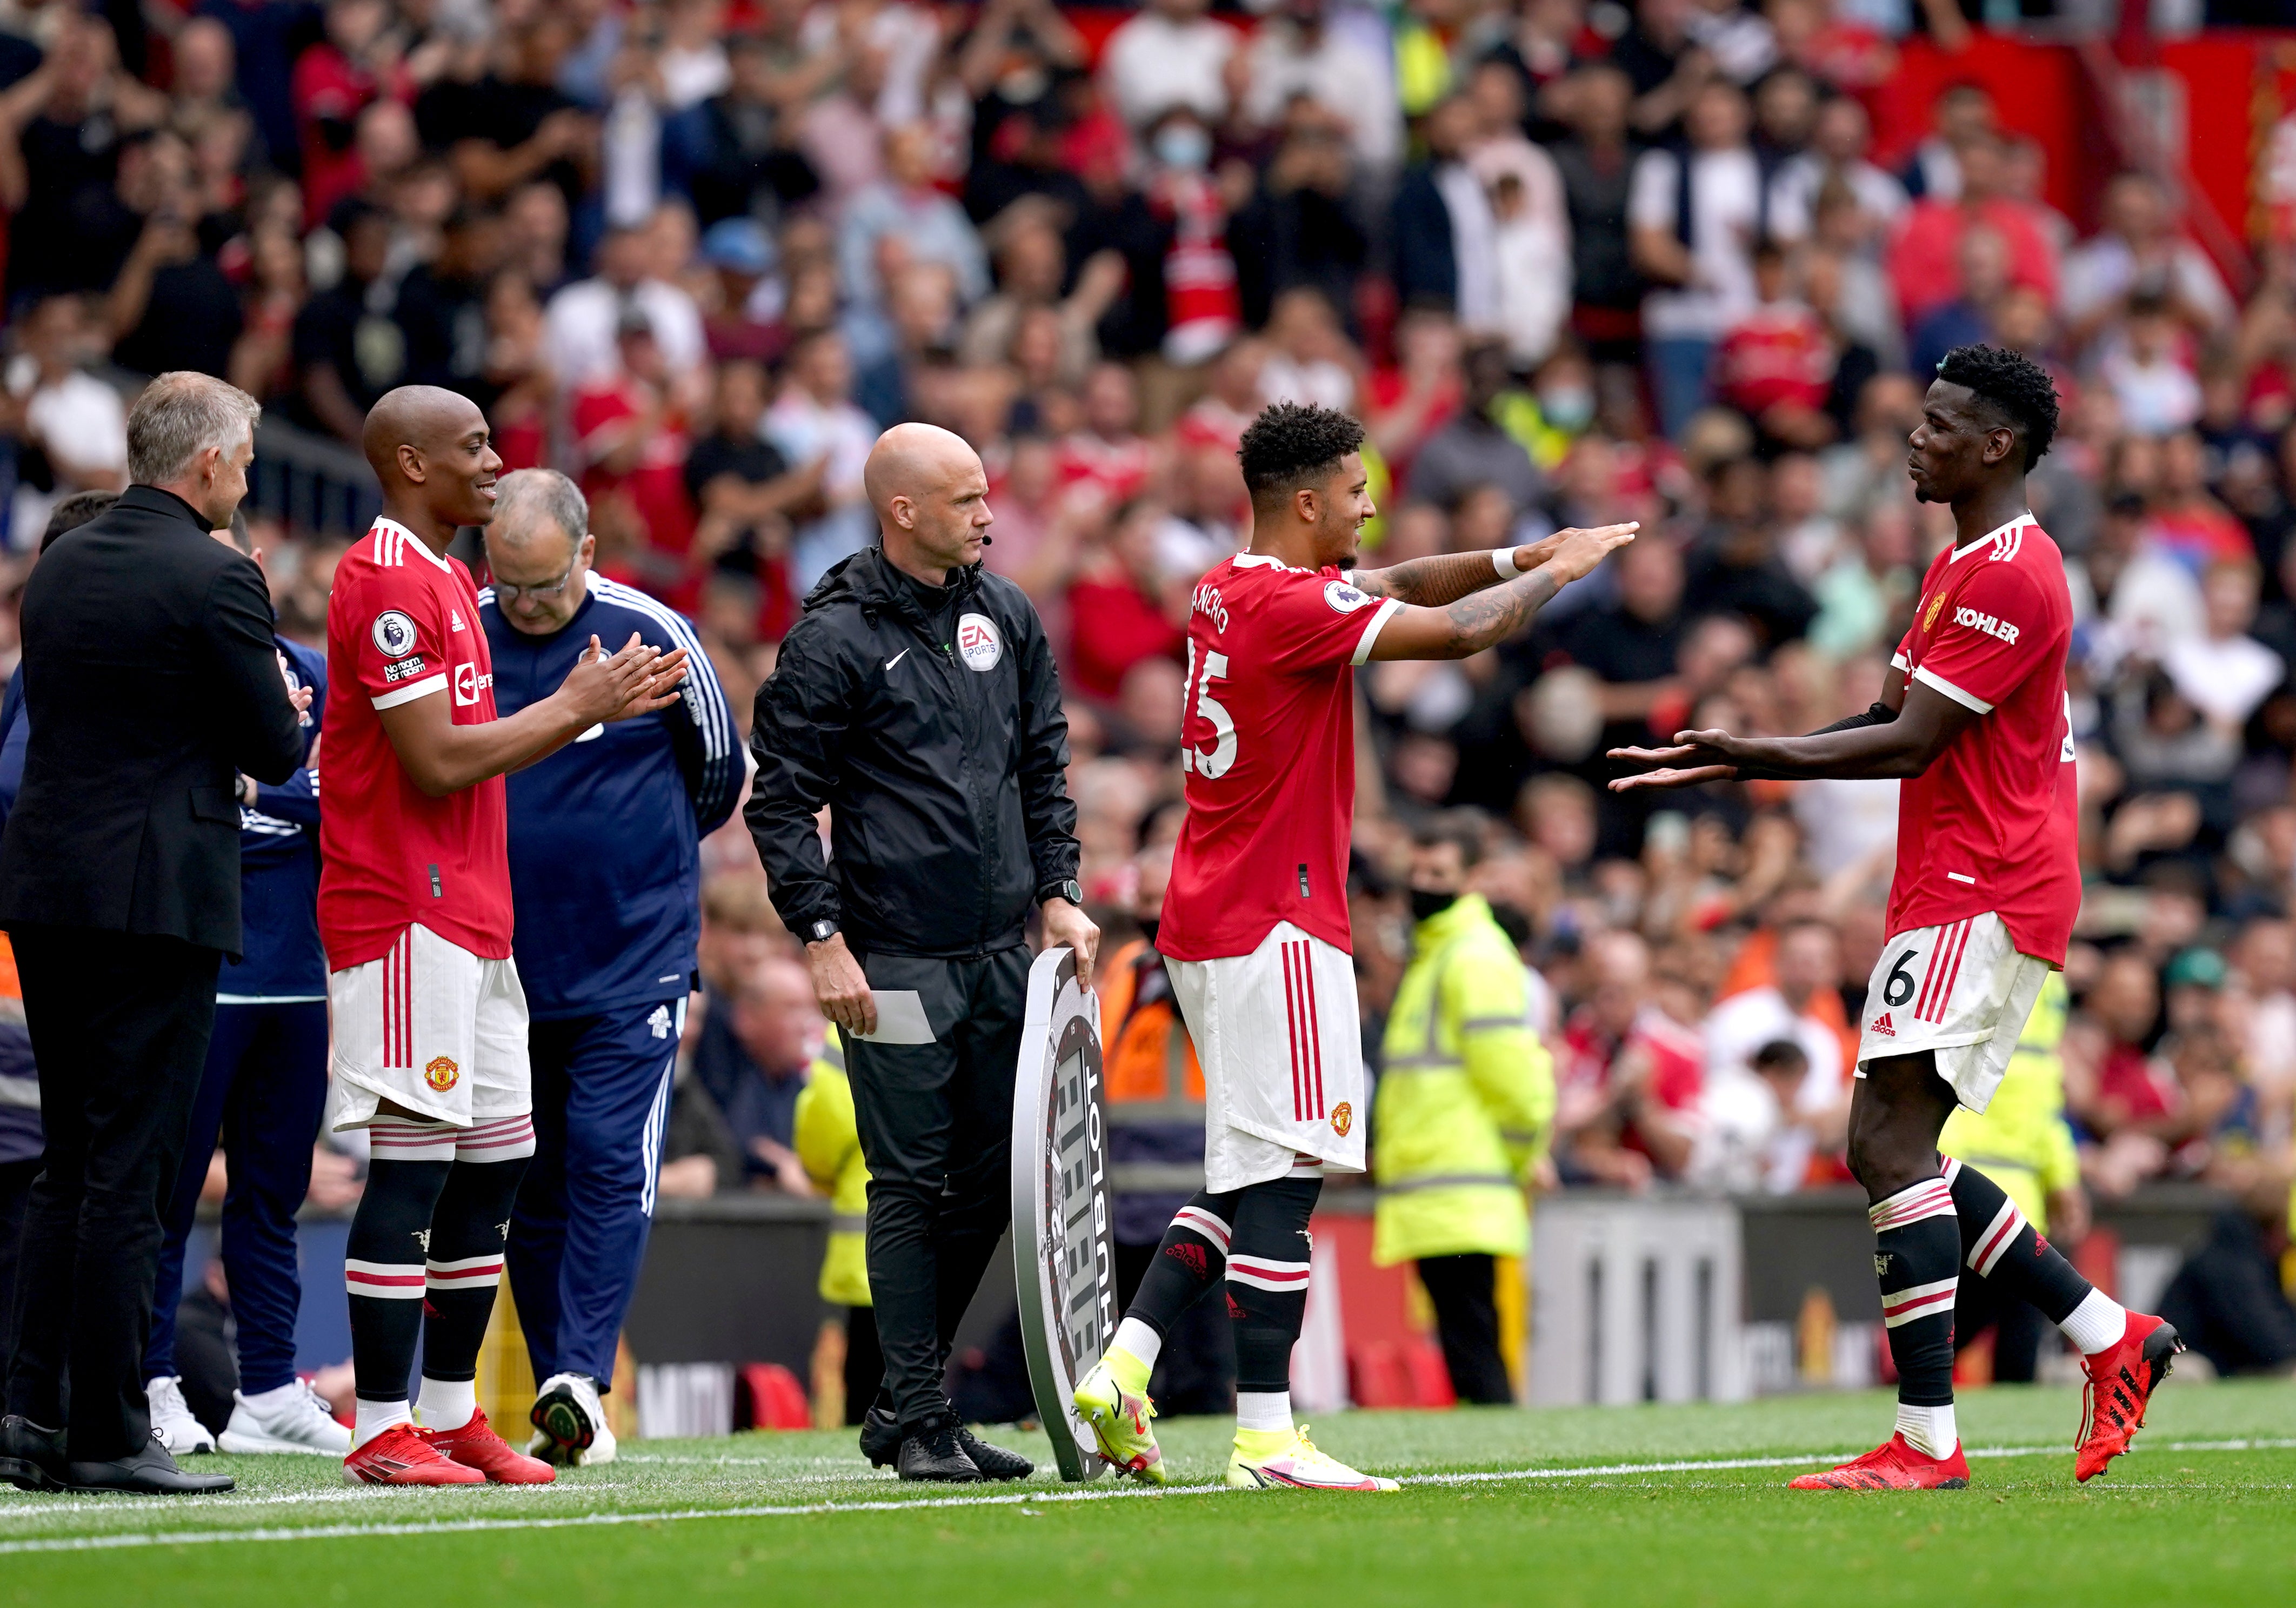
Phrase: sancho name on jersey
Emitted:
{"points": [[1267, 747]]}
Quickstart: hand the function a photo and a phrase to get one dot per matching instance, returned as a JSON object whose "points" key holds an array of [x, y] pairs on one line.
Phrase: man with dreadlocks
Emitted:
{"points": [[1975, 721]]}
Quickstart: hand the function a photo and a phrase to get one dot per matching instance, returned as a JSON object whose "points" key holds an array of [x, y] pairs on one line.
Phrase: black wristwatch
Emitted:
{"points": [[1070, 890], [820, 932]]}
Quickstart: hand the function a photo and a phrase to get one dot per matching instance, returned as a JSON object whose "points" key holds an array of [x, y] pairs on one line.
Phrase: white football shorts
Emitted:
{"points": [[1963, 992], [433, 1029], [1282, 1050]]}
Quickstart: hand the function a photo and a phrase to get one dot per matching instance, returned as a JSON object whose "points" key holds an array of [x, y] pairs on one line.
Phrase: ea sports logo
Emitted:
{"points": [[978, 643], [393, 634]]}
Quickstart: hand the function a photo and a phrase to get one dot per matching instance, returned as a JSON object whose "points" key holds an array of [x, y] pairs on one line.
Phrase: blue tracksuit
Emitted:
{"points": [[605, 871], [265, 1083]]}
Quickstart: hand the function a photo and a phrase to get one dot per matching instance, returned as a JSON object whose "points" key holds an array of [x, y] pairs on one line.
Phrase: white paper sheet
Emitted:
{"points": [[900, 1017]]}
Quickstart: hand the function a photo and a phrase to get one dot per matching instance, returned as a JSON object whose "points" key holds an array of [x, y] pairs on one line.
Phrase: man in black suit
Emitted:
{"points": [[153, 684]]}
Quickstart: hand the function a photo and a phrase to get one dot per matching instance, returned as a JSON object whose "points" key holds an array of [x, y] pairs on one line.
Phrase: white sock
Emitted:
{"points": [[376, 1416], [263, 1403], [1137, 1338], [1928, 1429], [447, 1403], [1267, 1411], [2098, 1322]]}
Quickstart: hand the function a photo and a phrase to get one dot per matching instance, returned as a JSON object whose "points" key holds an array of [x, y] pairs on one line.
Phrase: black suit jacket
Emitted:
{"points": [[151, 681]]}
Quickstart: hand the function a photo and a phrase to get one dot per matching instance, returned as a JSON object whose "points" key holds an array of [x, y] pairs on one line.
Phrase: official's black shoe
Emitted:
{"points": [[31, 1459], [993, 1462], [880, 1438], [932, 1451], [149, 1471]]}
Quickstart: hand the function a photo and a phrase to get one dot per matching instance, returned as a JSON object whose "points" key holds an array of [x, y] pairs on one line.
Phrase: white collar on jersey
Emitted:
{"points": [[408, 541], [2017, 524]]}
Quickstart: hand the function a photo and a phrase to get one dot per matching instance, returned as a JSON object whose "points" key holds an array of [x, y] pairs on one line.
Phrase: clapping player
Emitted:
{"points": [[414, 906], [1975, 720], [1255, 921]]}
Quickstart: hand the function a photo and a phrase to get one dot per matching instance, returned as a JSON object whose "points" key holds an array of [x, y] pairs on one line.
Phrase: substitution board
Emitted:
{"points": [[1064, 1257]]}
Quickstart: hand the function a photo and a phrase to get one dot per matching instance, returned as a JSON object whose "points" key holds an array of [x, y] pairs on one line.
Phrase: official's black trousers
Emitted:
{"points": [[936, 1127], [1465, 1290], [120, 1027]]}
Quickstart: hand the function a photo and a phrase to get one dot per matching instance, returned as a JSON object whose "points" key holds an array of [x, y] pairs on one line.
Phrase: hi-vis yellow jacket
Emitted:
{"points": [[829, 1147], [1466, 1095], [2021, 1142]]}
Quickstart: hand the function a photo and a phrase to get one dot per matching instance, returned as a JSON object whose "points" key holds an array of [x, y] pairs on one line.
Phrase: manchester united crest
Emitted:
{"points": [[442, 1075], [1343, 1117]]}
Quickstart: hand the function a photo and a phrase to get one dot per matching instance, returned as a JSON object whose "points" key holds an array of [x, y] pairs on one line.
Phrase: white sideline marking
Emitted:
{"points": [[424, 1527]]}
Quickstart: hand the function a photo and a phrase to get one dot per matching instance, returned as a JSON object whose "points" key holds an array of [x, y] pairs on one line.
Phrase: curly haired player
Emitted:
{"points": [[1255, 922], [1975, 721]]}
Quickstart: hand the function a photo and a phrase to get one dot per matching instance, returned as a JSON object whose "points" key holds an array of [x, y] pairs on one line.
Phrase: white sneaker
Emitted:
{"points": [[292, 1418], [1300, 1466], [569, 1423], [171, 1419]]}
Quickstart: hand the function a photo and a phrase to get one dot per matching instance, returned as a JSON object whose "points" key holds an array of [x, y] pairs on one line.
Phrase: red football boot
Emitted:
{"points": [[476, 1446], [1896, 1464], [400, 1456], [2120, 1381]]}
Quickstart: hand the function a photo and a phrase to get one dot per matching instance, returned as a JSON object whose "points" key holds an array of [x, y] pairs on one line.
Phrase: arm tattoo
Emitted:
{"points": [[1478, 622], [1432, 581]]}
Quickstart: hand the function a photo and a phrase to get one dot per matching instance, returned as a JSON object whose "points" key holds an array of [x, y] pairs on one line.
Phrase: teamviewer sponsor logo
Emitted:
{"points": [[1990, 624]]}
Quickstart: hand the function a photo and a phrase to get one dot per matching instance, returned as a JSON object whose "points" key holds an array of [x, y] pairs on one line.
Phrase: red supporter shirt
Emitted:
{"points": [[1267, 747], [1990, 825], [1778, 352], [403, 623]]}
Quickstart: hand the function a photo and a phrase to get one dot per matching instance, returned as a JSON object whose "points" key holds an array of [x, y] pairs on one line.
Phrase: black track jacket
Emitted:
{"points": [[940, 746]]}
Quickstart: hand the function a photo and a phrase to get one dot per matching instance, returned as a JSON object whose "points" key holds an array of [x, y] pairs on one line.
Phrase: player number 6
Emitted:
{"points": [[1899, 987]]}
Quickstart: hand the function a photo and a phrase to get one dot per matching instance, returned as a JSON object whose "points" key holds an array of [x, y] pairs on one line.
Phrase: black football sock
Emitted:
{"points": [[462, 1271], [1266, 1278], [2001, 1247], [383, 1262], [1190, 1262], [1916, 1255]]}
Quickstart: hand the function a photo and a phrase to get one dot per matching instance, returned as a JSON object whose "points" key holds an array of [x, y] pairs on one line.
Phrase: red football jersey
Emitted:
{"points": [[1991, 825], [1268, 749], [403, 623]]}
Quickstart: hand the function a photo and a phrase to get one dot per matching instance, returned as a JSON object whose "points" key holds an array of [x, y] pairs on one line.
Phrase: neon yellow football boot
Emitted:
{"points": [[1119, 1417], [1269, 1459]]}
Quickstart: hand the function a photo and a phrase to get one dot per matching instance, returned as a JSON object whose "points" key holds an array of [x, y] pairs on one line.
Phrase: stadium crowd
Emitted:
{"points": [[1570, 264]]}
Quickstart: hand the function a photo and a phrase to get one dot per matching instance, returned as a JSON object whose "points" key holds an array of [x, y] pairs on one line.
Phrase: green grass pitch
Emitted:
{"points": [[1605, 1507]]}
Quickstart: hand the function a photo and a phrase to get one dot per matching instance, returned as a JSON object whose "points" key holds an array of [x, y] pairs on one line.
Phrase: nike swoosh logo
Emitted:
{"points": [[896, 658]]}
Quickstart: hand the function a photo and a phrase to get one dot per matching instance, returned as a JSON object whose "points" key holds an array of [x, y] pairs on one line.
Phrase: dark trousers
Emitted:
{"points": [[15, 1198], [936, 1126], [1464, 1290], [601, 1088], [119, 1025], [263, 1093], [864, 1363]]}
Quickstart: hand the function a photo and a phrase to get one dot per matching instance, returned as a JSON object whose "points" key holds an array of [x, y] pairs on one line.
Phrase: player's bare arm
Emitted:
{"points": [[1922, 723], [1431, 583], [1487, 618], [442, 757]]}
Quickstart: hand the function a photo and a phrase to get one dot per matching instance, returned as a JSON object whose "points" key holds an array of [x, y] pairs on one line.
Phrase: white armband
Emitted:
{"points": [[1503, 560]]}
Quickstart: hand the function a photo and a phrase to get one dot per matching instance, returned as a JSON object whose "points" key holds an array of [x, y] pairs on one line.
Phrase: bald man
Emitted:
{"points": [[415, 909], [917, 699]]}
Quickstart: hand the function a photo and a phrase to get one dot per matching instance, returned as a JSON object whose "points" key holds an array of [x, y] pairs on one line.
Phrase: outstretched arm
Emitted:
{"points": [[1485, 617], [1923, 725], [1431, 583]]}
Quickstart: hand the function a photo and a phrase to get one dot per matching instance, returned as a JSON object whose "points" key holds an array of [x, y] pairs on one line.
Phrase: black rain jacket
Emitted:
{"points": [[941, 749]]}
